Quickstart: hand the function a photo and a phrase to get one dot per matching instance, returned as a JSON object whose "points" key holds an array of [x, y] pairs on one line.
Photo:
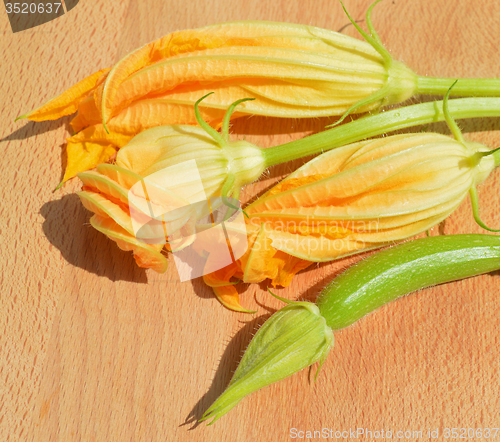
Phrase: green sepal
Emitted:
{"points": [[292, 339]]}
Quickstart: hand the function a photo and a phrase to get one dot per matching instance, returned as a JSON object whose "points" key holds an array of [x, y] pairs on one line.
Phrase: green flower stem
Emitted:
{"points": [[373, 125], [477, 87], [496, 156]]}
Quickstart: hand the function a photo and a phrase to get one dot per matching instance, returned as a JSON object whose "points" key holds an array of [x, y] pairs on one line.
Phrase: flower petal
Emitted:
{"points": [[225, 292], [146, 256], [104, 207], [67, 103], [90, 147], [103, 184]]}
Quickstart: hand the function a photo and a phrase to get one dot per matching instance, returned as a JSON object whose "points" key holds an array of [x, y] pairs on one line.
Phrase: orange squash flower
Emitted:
{"points": [[179, 166], [292, 71], [289, 70], [355, 198]]}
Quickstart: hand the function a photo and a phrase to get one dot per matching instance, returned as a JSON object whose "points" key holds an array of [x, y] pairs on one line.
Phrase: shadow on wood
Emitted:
{"points": [[66, 226], [227, 366]]}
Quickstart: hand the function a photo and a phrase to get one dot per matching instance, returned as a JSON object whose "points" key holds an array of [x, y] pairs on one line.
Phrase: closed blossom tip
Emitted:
{"points": [[292, 339]]}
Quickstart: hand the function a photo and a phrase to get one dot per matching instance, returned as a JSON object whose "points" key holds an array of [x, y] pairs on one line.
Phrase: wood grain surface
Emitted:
{"points": [[92, 348]]}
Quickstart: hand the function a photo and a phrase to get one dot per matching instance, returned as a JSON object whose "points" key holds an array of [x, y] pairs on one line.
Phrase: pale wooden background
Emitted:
{"points": [[92, 348]]}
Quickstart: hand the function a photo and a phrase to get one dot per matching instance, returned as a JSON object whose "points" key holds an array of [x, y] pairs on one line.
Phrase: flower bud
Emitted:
{"points": [[355, 198], [160, 185], [369, 194], [292, 339], [292, 71]]}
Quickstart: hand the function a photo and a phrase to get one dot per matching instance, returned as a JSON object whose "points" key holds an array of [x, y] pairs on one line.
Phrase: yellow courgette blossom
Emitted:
{"points": [[355, 198], [192, 167], [292, 71]]}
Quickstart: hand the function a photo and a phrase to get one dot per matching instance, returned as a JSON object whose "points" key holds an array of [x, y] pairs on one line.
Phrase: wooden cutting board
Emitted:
{"points": [[92, 348]]}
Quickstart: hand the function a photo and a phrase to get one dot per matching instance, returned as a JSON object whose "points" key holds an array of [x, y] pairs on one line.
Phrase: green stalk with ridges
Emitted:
{"points": [[373, 125]]}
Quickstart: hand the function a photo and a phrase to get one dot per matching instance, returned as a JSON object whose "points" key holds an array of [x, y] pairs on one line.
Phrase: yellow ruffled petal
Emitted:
{"points": [[101, 205], [123, 177], [146, 256], [258, 264], [229, 298], [88, 114], [288, 267], [86, 155], [225, 292], [90, 147], [67, 103]]}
